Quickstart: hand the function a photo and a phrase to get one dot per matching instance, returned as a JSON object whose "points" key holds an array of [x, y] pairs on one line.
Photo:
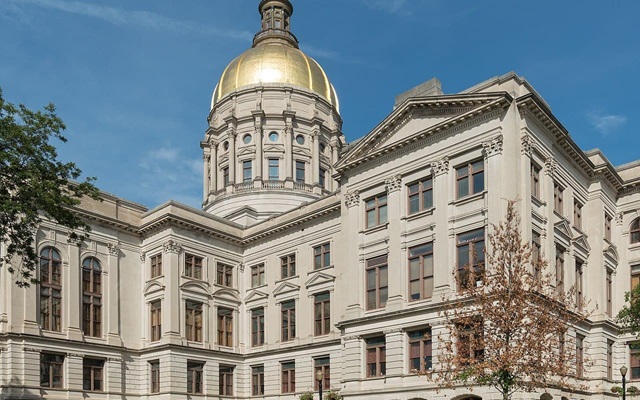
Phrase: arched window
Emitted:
{"points": [[635, 231], [50, 289], [91, 297]]}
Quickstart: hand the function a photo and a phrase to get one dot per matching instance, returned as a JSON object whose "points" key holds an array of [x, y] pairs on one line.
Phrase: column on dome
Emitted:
{"points": [[206, 174], [315, 156], [288, 146], [231, 137], [213, 165], [258, 117]]}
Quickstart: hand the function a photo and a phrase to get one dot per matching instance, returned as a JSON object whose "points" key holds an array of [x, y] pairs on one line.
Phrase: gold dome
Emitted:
{"points": [[275, 63]]}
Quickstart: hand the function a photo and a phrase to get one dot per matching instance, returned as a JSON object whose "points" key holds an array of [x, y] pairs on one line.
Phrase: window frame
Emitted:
{"points": [[225, 176], [156, 265], [468, 337], [288, 266], [579, 284], [535, 181], [478, 264], [559, 269], [287, 320], [154, 376], [608, 219], [95, 373], [258, 273], [322, 314], [580, 355], [274, 170], [609, 292], [558, 198], [195, 377], [470, 176], [257, 327], [92, 297], [322, 178], [376, 357], [155, 314], [422, 192], [247, 171], [634, 231], [373, 206], [378, 266], [225, 380], [322, 256], [193, 313], [224, 320], [301, 171], [323, 365], [257, 380], [424, 341], [52, 366], [420, 257], [193, 266], [50, 289], [288, 377], [224, 274]]}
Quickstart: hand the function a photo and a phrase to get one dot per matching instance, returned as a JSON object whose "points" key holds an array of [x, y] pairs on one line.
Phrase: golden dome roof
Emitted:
{"points": [[275, 62]]}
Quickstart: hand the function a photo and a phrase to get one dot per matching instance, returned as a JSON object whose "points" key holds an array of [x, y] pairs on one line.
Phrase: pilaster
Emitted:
{"points": [[113, 289], [354, 275], [206, 174], [396, 274], [394, 342], [442, 276], [315, 156], [171, 304], [258, 117], [288, 145], [71, 292], [492, 151]]}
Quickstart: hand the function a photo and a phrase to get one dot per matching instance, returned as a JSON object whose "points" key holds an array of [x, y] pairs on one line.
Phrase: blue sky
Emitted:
{"points": [[133, 79]]}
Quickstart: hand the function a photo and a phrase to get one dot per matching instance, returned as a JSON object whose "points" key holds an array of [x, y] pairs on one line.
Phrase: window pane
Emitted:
{"points": [[414, 204], [383, 214], [463, 187], [478, 182], [427, 200], [371, 218]]}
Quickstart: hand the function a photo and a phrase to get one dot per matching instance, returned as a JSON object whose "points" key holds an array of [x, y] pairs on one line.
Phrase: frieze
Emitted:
{"points": [[391, 331], [393, 184], [31, 350], [492, 147], [172, 247], [352, 199], [440, 166]]}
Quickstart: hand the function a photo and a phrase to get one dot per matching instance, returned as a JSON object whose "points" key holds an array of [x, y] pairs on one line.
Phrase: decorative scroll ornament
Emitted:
{"points": [[393, 184], [440, 166], [550, 166], [114, 249], [231, 133], [492, 147], [352, 199], [619, 218], [143, 255], [527, 145], [172, 247], [288, 129], [315, 134], [206, 157]]}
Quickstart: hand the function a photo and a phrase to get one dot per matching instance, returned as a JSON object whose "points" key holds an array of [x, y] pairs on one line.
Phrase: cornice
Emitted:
{"points": [[484, 105], [169, 220]]}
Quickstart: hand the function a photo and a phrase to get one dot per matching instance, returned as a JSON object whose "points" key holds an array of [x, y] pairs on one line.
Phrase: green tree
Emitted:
{"points": [[629, 316], [35, 185]]}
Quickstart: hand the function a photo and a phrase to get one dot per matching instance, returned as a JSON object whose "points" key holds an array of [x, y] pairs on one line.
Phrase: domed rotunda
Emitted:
{"points": [[274, 127]]}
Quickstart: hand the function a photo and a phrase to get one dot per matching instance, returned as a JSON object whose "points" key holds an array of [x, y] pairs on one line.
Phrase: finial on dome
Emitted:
{"points": [[276, 23]]}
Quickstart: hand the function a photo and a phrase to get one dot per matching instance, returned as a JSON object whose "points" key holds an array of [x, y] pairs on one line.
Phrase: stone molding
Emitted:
{"points": [[352, 199], [172, 246], [393, 184], [550, 166], [619, 218], [440, 166], [492, 147], [527, 145], [143, 256]]}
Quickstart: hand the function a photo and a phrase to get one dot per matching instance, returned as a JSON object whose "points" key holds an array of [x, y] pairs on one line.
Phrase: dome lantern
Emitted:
{"points": [[276, 23]]}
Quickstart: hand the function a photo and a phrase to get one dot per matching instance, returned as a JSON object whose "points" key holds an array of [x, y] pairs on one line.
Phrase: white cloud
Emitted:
{"points": [[140, 19], [391, 6], [606, 123]]}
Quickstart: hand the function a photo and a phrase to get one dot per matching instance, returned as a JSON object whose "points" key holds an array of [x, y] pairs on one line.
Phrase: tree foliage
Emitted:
{"points": [[34, 185], [629, 316], [508, 326]]}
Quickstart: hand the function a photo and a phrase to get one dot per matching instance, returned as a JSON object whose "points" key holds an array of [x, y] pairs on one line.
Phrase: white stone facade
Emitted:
{"points": [[500, 130]]}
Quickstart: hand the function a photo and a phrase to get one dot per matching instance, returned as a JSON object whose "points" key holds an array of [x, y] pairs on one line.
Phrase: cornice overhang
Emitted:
{"points": [[481, 103], [170, 220], [533, 105], [106, 221]]}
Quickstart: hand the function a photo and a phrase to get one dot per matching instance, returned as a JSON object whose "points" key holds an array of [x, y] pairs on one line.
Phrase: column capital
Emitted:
{"points": [[492, 147], [440, 166], [352, 199], [114, 249], [527, 145], [393, 184], [172, 246], [550, 166]]}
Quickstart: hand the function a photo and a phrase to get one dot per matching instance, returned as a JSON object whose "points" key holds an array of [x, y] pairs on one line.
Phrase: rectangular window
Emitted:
{"points": [[609, 359], [247, 174], [609, 293], [156, 266], [257, 275], [420, 195], [470, 344], [194, 377], [224, 275], [376, 357], [607, 227], [579, 356], [300, 171], [577, 214], [322, 256], [635, 361], [193, 321], [377, 282], [470, 250], [193, 266], [225, 327], [92, 375], [558, 193], [50, 290], [420, 351], [225, 381], [579, 284], [274, 169], [322, 180], [536, 254], [156, 321], [560, 270], [322, 365], [91, 297], [288, 377], [535, 181], [257, 380], [288, 311], [51, 366], [470, 178], [421, 272], [322, 314], [288, 266], [225, 175], [635, 276], [257, 327], [376, 210], [154, 370]]}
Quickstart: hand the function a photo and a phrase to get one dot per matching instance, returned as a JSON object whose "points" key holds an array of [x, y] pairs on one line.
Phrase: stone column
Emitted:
{"points": [[491, 149], [353, 355], [112, 280], [396, 265], [288, 146], [548, 245], [258, 140], [231, 137], [213, 165], [315, 156], [171, 304], [71, 292], [353, 288], [442, 278], [206, 177], [526, 150]]}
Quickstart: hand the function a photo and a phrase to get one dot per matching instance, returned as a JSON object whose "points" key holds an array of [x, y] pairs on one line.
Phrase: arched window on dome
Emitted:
{"points": [[635, 231], [91, 297], [50, 289]]}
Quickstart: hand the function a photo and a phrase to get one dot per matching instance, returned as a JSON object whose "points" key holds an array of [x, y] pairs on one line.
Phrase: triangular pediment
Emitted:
{"points": [[302, 151], [223, 159], [246, 150], [256, 296], [611, 253], [273, 148], [582, 242], [285, 287], [319, 278], [563, 228], [419, 118]]}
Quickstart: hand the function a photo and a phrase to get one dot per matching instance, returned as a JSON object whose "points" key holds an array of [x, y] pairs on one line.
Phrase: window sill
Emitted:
{"points": [[264, 285], [420, 214], [634, 246], [191, 278], [419, 301], [559, 215], [320, 269], [289, 278], [469, 199], [537, 202], [376, 228]]}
